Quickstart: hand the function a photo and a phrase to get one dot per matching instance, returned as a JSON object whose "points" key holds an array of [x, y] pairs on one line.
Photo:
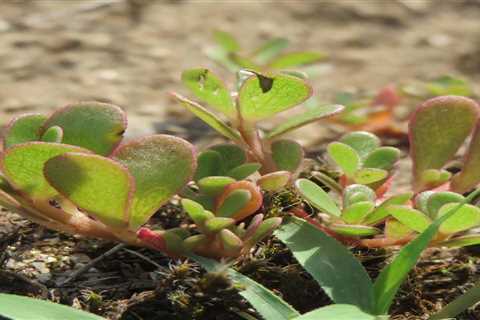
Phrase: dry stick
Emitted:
{"points": [[89, 265], [141, 256]]}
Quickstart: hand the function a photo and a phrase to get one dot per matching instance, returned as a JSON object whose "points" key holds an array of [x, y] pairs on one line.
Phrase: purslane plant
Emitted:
{"points": [[269, 56], [259, 97], [69, 172], [437, 129]]}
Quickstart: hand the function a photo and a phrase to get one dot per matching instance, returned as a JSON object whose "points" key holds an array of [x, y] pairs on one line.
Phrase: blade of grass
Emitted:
{"points": [[462, 303]]}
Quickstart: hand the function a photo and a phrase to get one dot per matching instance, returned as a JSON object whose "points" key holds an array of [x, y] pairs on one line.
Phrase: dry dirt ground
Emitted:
{"points": [[131, 53]]}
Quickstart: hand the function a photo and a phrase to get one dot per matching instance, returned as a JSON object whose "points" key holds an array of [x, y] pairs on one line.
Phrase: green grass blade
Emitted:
{"points": [[330, 263], [24, 308], [337, 312], [462, 303], [267, 304], [392, 276]]}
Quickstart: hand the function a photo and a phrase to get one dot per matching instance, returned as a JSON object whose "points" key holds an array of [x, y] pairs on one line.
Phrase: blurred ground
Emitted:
{"points": [[131, 52]]}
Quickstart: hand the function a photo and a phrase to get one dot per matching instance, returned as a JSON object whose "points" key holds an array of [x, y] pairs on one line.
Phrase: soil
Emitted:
{"points": [[131, 53]]}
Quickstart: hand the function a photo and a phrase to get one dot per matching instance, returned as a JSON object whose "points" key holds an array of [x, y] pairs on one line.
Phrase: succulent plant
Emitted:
{"points": [[260, 97], [70, 172]]}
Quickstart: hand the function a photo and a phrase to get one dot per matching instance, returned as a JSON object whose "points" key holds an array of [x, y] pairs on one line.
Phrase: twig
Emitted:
{"points": [[89, 265], [138, 254]]}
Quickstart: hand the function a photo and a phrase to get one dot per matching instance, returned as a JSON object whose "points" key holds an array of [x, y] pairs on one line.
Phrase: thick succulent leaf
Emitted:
{"points": [[363, 142], [226, 40], [337, 312], [53, 134], [274, 181], [230, 241], [315, 195], [432, 178], [351, 230], [287, 155], [448, 85], [438, 199], [382, 158], [233, 203], [330, 263], [248, 209], [421, 200], [262, 96], [305, 118], [196, 212], [381, 212], [213, 186], [95, 126], [345, 157], [356, 193], [243, 171], [161, 165], [410, 217], [208, 117], [209, 163], [437, 129], [96, 184], [192, 242], [463, 241], [216, 224], [23, 166], [265, 228], [296, 59], [24, 128], [269, 50], [465, 218], [208, 88], [232, 155], [24, 308], [369, 175], [357, 212], [396, 230], [469, 177]]}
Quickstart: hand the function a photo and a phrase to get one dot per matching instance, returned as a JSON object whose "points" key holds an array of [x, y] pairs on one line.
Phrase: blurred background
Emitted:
{"points": [[132, 52]]}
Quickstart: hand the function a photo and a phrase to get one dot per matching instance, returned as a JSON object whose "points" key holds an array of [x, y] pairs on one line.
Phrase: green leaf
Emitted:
{"points": [[233, 203], [243, 171], [437, 129], [24, 308], [410, 217], [305, 118], [345, 157], [213, 186], [337, 312], [209, 118], [465, 218], [369, 175], [261, 97], [436, 200], [331, 264], [391, 277], [296, 59], [357, 212], [230, 241], [269, 50], [356, 193], [351, 230], [469, 177], [96, 184], [265, 228], [161, 165], [216, 224], [460, 304], [95, 126], [382, 158], [394, 229], [362, 142], [287, 155], [432, 178], [449, 85], [209, 164], [317, 197], [196, 212], [265, 302], [24, 128], [274, 181], [23, 166], [226, 40], [53, 134], [208, 88], [381, 212], [232, 155], [462, 241]]}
